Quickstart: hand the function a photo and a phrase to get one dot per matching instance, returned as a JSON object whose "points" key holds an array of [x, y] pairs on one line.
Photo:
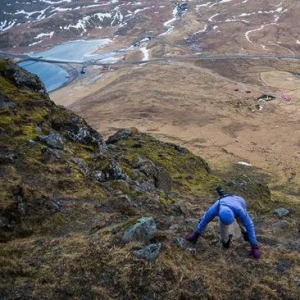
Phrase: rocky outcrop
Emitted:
{"points": [[6, 102], [22, 78], [111, 171], [7, 155], [53, 140], [120, 135], [161, 178], [149, 252], [144, 230], [76, 129], [281, 212]]}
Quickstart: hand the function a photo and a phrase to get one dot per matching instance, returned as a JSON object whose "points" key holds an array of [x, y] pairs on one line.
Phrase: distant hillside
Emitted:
{"points": [[70, 201], [198, 26]]}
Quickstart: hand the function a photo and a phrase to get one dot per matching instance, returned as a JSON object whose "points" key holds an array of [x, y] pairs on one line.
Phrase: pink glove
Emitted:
{"points": [[255, 252], [193, 238]]}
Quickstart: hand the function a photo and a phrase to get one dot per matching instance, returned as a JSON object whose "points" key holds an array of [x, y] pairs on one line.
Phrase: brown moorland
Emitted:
{"points": [[240, 114]]}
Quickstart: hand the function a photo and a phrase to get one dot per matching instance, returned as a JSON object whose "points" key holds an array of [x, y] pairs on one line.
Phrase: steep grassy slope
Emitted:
{"points": [[67, 196]]}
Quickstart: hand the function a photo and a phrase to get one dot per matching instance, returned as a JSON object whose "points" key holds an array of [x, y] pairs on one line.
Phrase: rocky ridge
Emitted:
{"points": [[83, 217]]}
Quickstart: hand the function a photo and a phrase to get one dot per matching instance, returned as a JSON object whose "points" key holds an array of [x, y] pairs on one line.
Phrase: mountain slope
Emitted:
{"points": [[69, 197], [198, 26]]}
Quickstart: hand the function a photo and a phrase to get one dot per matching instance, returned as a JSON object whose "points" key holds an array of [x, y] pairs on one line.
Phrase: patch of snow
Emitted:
{"points": [[93, 5], [245, 15], [170, 28], [103, 4], [202, 5], [244, 163], [102, 16], [145, 53], [211, 18], [50, 34], [203, 30], [118, 16], [264, 47], [41, 14], [81, 24], [168, 23], [59, 9], [248, 32], [4, 25], [55, 2], [35, 43], [115, 17], [140, 9]]}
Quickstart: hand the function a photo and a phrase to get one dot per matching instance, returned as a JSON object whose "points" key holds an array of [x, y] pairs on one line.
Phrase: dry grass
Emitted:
{"points": [[204, 105], [101, 266]]}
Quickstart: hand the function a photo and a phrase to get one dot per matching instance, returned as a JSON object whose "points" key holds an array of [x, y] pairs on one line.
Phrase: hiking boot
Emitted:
{"points": [[226, 245]]}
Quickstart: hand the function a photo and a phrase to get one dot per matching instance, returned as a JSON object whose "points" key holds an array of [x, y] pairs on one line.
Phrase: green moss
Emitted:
{"points": [[37, 116], [6, 87], [52, 223], [4, 63], [128, 170], [69, 183], [85, 155], [190, 174], [165, 200], [7, 199], [93, 190], [12, 92], [120, 226], [90, 148], [12, 120], [60, 115], [120, 186], [9, 267], [102, 164], [29, 131], [6, 120], [4, 111]]}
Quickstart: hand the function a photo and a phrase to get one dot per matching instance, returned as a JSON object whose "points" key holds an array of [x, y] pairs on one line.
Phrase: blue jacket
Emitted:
{"points": [[238, 206]]}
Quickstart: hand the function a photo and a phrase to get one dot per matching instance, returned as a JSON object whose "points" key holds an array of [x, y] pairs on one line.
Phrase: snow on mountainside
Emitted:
{"points": [[67, 19], [221, 26]]}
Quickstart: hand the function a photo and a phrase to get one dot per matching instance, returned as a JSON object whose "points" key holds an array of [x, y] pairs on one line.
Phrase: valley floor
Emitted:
{"points": [[213, 108]]}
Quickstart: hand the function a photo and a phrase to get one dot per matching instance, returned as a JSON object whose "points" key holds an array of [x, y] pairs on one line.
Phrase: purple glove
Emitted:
{"points": [[193, 238], [255, 252]]}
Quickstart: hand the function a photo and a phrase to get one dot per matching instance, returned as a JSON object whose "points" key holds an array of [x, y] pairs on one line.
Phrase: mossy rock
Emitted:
{"points": [[257, 195]]}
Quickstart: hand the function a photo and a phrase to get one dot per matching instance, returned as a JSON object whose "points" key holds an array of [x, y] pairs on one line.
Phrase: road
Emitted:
{"points": [[201, 56], [71, 69]]}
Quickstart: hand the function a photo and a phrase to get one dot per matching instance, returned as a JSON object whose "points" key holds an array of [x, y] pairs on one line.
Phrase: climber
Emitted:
{"points": [[228, 208]]}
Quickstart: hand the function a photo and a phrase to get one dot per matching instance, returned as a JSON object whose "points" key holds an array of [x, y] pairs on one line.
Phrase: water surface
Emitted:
{"points": [[51, 75], [73, 51], [54, 76]]}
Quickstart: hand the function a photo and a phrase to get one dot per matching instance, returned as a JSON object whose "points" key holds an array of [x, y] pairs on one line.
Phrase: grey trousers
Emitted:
{"points": [[226, 230]]}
